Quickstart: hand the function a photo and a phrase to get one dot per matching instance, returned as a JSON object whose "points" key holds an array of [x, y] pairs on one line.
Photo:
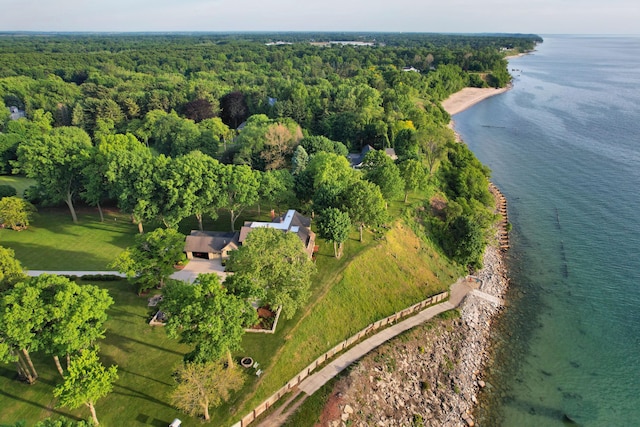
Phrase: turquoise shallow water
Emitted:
{"points": [[564, 147]]}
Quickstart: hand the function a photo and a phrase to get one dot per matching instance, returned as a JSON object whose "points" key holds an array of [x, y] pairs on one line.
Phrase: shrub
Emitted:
{"points": [[7, 191], [15, 212], [102, 277]]}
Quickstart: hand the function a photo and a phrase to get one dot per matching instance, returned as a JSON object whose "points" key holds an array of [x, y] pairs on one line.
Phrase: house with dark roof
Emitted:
{"points": [[208, 244], [357, 159]]}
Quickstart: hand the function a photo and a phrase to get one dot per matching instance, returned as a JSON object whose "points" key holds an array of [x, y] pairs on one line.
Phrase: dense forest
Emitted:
{"points": [[129, 118]]}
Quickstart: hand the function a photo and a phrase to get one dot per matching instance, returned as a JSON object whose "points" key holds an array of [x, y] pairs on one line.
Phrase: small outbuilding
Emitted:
{"points": [[208, 244]]}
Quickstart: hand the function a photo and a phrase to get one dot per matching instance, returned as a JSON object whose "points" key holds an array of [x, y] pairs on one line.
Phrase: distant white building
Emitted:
{"points": [[278, 43], [352, 43], [16, 113]]}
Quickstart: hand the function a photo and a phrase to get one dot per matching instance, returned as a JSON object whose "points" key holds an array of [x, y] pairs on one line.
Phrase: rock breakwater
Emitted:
{"points": [[429, 376]]}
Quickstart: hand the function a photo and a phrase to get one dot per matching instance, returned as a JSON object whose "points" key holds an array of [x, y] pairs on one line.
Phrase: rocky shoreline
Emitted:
{"points": [[431, 375]]}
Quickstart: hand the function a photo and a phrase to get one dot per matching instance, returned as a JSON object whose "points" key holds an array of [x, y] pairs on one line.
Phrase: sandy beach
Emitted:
{"points": [[468, 97]]}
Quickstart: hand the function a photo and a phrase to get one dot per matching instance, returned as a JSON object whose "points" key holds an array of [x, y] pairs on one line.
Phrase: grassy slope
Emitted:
{"points": [[388, 276]]}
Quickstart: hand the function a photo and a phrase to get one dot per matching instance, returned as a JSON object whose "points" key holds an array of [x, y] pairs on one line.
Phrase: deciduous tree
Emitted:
{"points": [[16, 212], [199, 110], [315, 144], [413, 174], [279, 145], [22, 318], [331, 168], [151, 259], [192, 186], [77, 314], [205, 315], [276, 262], [86, 382], [334, 225], [11, 271], [382, 171], [234, 109], [129, 171], [365, 205], [240, 186], [212, 132], [276, 187], [56, 162], [204, 385]]}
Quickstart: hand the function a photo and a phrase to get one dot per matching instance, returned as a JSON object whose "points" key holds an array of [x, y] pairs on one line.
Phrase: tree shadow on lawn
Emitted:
{"points": [[124, 315], [144, 376], [138, 394], [38, 405], [117, 338], [144, 419], [12, 375]]}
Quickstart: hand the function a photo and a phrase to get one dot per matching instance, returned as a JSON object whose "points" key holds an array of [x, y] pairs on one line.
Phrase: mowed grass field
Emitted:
{"points": [[20, 183], [145, 359], [54, 242], [389, 271]]}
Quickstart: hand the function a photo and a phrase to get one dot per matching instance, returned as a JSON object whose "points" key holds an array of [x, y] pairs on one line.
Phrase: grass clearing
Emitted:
{"points": [[54, 242], [20, 183]]}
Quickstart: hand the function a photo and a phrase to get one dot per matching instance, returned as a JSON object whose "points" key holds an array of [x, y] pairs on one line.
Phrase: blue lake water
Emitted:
{"points": [[564, 148]]}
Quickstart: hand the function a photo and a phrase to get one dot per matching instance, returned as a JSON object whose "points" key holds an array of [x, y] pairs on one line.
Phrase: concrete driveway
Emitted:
{"points": [[200, 266]]}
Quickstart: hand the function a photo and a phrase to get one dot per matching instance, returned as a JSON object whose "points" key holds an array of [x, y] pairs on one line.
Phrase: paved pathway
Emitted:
{"points": [[200, 266], [71, 273], [187, 274], [313, 383], [491, 298]]}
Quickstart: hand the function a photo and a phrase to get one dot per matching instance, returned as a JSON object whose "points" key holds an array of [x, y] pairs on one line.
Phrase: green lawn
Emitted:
{"points": [[373, 280], [54, 242], [20, 183], [391, 270], [145, 359]]}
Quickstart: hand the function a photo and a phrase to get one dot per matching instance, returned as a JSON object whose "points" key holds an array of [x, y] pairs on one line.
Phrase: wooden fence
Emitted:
{"points": [[258, 410]]}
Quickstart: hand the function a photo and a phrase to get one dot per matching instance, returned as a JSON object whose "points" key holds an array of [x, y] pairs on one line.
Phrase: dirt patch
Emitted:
{"points": [[265, 313], [438, 204], [333, 408]]}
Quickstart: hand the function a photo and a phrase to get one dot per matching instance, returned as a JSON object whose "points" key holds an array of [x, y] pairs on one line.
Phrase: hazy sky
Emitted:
{"points": [[466, 16]]}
